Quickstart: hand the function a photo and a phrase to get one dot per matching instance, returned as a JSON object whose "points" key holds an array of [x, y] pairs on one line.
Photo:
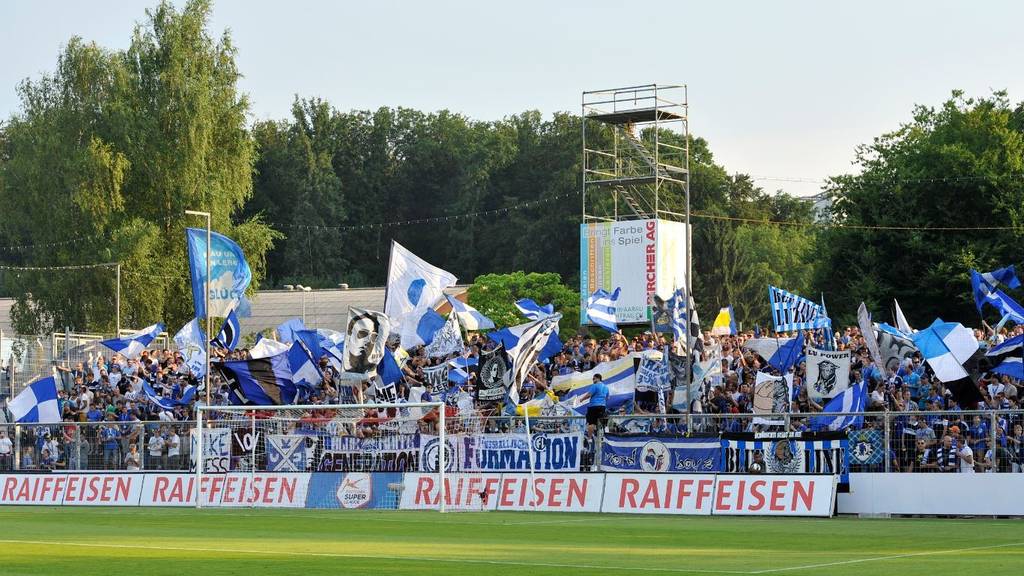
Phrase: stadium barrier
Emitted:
{"points": [[694, 494], [933, 494]]}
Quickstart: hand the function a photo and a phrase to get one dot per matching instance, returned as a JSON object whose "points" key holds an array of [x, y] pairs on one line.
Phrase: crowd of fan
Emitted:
{"points": [[107, 393]]}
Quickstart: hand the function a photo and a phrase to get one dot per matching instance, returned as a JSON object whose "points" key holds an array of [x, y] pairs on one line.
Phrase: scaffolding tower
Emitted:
{"points": [[636, 153]]}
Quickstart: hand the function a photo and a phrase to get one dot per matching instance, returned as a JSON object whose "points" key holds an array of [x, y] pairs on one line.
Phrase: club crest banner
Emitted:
{"points": [[788, 452], [828, 373], [286, 453], [661, 454]]}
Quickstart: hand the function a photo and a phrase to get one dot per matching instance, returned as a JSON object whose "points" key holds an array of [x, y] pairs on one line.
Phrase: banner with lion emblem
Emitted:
{"points": [[828, 373]]}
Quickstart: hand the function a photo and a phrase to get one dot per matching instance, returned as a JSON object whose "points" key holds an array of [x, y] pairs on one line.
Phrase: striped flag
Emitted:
{"points": [[601, 309], [791, 312], [523, 355], [230, 332]]}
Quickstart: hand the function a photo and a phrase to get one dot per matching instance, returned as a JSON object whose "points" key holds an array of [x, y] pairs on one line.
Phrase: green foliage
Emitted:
{"points": [[115, 146], [494, 295], [956, 166]]}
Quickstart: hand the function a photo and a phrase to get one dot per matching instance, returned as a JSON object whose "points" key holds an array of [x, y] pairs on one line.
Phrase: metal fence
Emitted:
{"points": [[908, 441]]}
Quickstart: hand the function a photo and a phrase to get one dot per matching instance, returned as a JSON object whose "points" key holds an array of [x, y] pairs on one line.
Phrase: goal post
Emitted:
{"points": [[241, 447]]}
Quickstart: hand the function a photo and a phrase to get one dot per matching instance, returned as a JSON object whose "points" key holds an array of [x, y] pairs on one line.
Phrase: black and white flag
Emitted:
{"points": [[494, 375], [828, 373], [447, 340]]}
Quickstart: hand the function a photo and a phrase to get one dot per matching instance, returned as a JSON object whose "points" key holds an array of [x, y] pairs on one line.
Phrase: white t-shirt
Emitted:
{"points": [[966, 468], [131, 462], [173, 445], [6, 446], [156, 445]]}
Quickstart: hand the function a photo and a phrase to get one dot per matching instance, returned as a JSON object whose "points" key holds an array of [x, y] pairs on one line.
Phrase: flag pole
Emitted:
{"points": [[206, 288]]}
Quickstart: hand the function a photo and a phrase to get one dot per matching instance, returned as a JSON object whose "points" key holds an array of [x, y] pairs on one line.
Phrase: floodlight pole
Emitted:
{"points": [[206, 288]]}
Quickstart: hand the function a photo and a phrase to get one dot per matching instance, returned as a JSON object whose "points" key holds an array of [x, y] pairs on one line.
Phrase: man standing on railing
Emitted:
{"points": [[598, 404]]}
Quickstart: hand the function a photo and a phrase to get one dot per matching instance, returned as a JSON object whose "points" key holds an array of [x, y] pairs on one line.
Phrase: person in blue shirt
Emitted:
{"points": [[598, 404], [110, 436]]}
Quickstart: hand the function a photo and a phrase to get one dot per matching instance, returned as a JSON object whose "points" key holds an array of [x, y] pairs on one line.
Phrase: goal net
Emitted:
{"points": [[325, 456]]}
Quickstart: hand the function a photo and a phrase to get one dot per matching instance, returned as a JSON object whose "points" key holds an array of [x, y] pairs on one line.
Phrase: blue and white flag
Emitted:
{"points": [[133, 345], [853, 399], [788, 354], [286, 331], [267, 347], [332, 343], [162, 401], [509, 338], [946, 346], [1007, 306], [458, 369], [414, 287], [305, 368], [791, 312], [388, 369], [229, 272], [1012, 367], [230, 332], [678, 308], [260, 382], [1006, 276], [469, 317], [1012, 345], [601, 309], [534, 311], [37, 403], [191, 342]]}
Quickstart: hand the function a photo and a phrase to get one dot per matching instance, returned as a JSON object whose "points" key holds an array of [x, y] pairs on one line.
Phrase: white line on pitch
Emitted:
{"points": [[368, 557], [880, 558]]}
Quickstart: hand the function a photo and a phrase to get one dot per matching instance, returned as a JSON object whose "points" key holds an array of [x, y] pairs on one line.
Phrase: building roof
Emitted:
{"points": [[326, 308]]}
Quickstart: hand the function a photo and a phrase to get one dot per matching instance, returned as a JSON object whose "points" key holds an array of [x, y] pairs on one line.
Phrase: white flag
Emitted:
{"points": [[414, 287]]}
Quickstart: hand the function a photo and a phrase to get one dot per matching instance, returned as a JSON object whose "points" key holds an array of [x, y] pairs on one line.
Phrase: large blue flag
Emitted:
{"points": [[287, 330], [229, 272], [388, 369], [132, 346], [788, 354]]}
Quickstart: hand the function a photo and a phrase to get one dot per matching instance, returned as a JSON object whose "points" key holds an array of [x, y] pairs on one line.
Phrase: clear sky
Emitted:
{"points": [[778, 88]]}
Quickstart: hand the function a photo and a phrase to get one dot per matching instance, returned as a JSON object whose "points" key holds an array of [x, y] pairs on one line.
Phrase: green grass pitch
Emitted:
{"points": [[180, 542]]}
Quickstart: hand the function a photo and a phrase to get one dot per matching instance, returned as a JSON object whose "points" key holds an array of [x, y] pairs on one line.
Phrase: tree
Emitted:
{"points": [[956, 166], [494, 295], [113, 147]]}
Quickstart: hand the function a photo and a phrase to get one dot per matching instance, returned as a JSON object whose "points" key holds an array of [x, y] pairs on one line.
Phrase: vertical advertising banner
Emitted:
{"points": [[643, 257]]}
